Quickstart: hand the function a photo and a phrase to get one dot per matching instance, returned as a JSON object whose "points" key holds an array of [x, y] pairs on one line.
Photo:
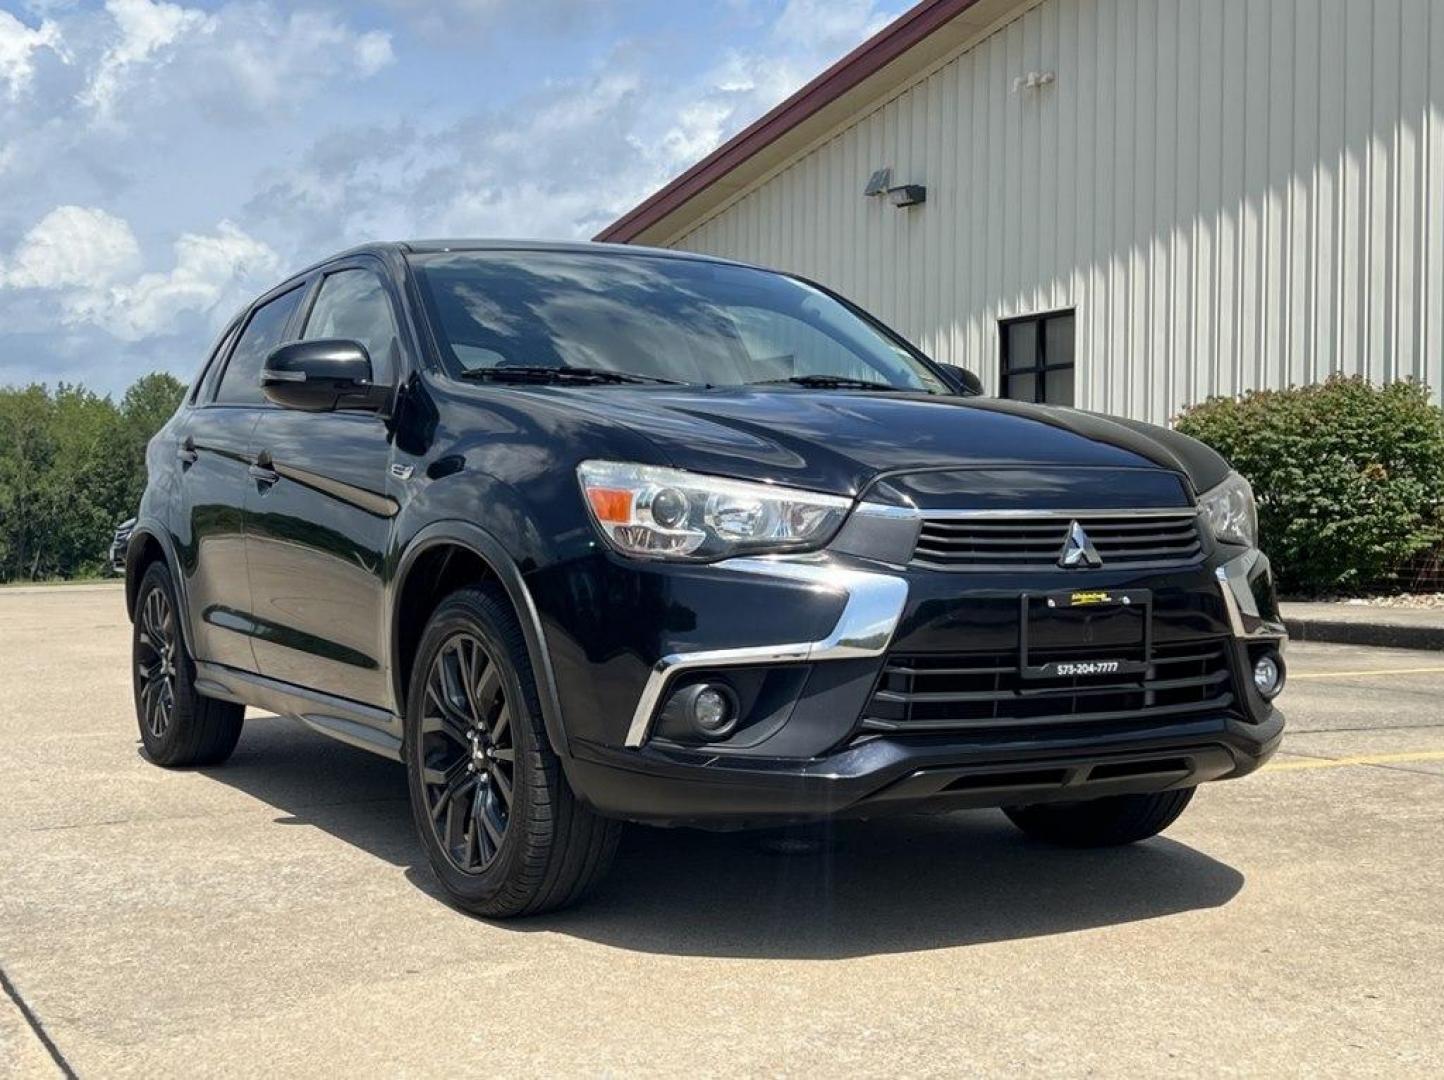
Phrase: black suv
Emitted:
{"points": [[585, 534]]}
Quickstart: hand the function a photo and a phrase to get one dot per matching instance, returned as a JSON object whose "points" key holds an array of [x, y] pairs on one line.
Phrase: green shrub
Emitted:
{"points": [[1349, 477]]}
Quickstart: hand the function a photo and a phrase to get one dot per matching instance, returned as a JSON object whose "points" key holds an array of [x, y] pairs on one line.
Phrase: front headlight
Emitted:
{"points": [[1230, 512], [671, 514]]}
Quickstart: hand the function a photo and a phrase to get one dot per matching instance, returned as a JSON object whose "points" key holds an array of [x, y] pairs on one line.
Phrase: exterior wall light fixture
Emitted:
{"points": [[908, 195]]}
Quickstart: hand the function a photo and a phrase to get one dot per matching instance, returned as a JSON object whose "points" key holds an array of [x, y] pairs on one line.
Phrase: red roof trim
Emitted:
{"points": [[867, 59]]}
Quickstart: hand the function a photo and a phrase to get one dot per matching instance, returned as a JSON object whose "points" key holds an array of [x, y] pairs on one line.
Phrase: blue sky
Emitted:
{"points": [[160, 163]]}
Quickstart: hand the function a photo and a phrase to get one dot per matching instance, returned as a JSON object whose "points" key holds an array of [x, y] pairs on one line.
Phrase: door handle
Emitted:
{"points": [[187, 452], [261, 472]]}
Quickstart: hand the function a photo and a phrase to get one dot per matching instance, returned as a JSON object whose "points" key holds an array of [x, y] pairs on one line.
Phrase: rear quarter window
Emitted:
{"points": [[210, 370]]}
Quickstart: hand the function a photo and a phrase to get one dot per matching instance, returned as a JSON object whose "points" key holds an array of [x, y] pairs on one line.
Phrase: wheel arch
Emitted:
{"points": [[150, 543], [431, 549]]}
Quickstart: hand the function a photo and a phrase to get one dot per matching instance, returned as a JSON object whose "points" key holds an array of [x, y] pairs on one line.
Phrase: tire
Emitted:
{"points": [[502, 830], [1107, 822], [178, 726]]}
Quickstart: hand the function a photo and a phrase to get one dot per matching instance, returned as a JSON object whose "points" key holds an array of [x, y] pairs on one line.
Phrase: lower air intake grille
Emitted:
{"points": [[1137, 540], [968, 691]]}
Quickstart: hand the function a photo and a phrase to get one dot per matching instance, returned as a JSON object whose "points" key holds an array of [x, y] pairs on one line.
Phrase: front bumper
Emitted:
{"points": [[624, 636], [664, 785]]}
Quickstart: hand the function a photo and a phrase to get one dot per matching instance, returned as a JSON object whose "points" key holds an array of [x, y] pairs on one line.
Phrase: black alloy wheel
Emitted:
{"points": [[502, 829], [156, 662], [178, 725], [468, 753]]}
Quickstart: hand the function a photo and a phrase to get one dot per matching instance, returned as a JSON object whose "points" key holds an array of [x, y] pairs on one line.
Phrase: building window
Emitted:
{"points": [[1038, 358]]}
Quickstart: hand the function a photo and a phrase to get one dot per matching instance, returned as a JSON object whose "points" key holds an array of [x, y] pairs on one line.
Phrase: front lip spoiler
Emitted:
{"points": [[865, 628], [670, 785]]}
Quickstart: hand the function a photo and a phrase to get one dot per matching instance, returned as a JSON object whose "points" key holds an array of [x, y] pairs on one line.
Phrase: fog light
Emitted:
{"points": [[710, 708], [1268, 675]]}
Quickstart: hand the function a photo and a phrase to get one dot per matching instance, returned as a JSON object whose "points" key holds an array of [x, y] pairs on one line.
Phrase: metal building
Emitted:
{"points": [[1127, 205]]}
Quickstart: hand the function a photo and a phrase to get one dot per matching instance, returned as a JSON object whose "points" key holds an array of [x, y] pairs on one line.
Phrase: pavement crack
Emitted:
{"points": [[36, 1026], [1397, 688], [298, 812], [1371, 728], [1405, 768]]}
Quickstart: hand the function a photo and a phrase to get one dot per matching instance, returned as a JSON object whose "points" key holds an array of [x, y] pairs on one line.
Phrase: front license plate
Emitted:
{"points": [[1077, 669], [1108, 633]]}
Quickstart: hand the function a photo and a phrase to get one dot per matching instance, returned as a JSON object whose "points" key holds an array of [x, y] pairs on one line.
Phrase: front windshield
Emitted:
{"points": [[673, 319]]}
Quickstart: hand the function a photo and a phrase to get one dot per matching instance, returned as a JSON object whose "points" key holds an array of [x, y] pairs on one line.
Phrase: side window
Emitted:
{"points": [[241, 382], [353, 304], [211, 369]]}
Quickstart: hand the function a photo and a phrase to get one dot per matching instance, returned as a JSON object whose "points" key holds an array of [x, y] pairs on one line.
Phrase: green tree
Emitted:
{"points": [[87, 489], [151, 401], [27, 449], [72, 465], [147, 405]]}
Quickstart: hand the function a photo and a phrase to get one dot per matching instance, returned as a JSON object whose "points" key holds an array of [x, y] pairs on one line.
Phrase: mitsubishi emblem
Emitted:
{"points": [[1078, 550]]}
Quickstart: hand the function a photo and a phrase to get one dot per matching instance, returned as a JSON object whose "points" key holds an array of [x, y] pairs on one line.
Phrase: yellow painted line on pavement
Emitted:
{"points": [[1376, 671], [1360, 759]]}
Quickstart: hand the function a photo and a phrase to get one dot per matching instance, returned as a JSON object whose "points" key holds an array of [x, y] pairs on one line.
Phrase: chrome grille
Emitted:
{"points": [[1138, 539], [969, 691]]}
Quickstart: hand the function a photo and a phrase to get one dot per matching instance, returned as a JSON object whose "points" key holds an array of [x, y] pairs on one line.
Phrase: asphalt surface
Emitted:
{"points": [[274, 915]]}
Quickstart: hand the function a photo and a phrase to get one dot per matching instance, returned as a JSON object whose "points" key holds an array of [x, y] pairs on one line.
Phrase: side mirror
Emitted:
{"points": [[321, 376], [962, 380]]}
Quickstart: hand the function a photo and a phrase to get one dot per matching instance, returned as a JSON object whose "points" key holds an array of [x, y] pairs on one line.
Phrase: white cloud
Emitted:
{"points": [[270, 59], [72, 247], [808, 36], [373, 52], [18, 46], [146, 28], [213, 274], [456, 22], [241, 57], [89, 261], [562, 162], [829, 27], [177, 114]]}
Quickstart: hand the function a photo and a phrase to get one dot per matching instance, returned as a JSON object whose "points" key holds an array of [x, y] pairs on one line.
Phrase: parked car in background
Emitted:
{"points": [[119, 543], [584, 535]]}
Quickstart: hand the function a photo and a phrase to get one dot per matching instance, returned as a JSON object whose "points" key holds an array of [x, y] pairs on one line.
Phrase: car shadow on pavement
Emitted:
{"points": [[849, 889], [900, 884]]}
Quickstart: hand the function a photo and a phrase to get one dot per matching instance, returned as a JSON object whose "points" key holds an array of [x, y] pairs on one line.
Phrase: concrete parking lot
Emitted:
{"points": [[274, 915]]}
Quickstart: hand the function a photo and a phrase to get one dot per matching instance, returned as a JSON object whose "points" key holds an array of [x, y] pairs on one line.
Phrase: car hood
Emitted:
{"points": [[843, 442]]}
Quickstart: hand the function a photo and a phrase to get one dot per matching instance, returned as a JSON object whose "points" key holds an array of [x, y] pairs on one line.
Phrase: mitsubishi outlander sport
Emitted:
{"points": [[584, 535]]}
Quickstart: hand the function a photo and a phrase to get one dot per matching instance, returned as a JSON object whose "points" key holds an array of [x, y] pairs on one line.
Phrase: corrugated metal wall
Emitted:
{"points": [[1231, 193]]}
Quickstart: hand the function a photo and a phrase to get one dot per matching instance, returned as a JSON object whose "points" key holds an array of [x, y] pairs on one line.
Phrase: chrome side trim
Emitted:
{"points": [[1244, 618], [874, 605], [369, 501], [1062, 515], [885, 510]]}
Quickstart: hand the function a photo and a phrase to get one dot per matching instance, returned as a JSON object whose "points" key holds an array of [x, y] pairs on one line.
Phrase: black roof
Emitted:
{"points": [[584, 247], [384, 248], [579, 247]]}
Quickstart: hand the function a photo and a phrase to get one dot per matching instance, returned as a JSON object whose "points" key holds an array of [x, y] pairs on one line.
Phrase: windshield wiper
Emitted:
{"points": [[833, 382], [540, 373]]}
